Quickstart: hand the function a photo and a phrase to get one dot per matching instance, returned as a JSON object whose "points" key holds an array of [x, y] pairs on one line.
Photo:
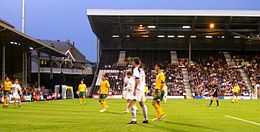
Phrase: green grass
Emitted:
{"points": [[182, 115]]}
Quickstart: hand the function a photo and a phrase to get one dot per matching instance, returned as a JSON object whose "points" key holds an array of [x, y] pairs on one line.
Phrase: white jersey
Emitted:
{"points": [[142, 79], [15, 89], [126, 80], [137, 75], [130, 85]]}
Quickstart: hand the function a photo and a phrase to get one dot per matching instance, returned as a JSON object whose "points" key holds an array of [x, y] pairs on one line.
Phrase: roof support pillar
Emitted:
{"points": [[98, 50], [189, 51], [51, 68], [38, 66], [25, 67], [3, 60]]}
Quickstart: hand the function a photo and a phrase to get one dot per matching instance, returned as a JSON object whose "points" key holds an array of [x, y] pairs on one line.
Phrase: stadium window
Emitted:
{"points": [[186, 27], [115, 36], [237, 37], [170, 36], [208, 37], [181, 36], [151, 26], [160, 36], [193, 36]]}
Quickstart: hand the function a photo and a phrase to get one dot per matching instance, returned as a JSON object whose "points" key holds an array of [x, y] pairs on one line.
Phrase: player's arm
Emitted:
{"points": [[137, 77], [162, 83], [108, 86], [78, 87], [136, 84]]}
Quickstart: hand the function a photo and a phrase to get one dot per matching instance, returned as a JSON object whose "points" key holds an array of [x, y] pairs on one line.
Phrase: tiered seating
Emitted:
{"points": [[250, 61], [210, 65]]}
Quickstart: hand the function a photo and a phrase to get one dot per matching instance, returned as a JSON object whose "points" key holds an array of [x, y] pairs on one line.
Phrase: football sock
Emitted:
{"points": [[134, 108], [217, 103], [19, 103], [84, 100], [127, 106], [145, 112], [211, 101], [80, 100], [5, 101], [160, 111], [156, 106], [104, 105]]}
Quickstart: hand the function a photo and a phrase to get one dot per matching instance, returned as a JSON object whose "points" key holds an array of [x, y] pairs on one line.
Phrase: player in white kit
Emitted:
{"points": [[16, 89], [128, 84], [165, 94], [138, 91]]}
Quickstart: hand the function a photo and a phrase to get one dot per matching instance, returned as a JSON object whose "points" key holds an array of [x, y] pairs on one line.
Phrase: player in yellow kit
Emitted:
{"points": [[159, 92], [103, 92], [235, 92], [82, 89], [146, 90], [7, 87]]}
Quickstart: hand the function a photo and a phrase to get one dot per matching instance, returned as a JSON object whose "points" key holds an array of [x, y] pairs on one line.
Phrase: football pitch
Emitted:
{"points": [[182, 115]]}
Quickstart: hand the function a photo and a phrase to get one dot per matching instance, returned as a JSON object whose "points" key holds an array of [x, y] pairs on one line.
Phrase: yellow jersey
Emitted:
{"points": [[160, 80], [7, 85], [145, 89], [236, 88], [104, 87], [82, 87]]}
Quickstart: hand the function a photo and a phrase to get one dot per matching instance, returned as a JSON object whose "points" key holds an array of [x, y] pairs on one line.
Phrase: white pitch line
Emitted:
{"points": [[242, 120]]}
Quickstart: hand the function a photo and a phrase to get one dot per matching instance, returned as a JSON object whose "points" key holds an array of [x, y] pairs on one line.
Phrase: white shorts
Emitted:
{"points": [[127, 95], [16, 96], [165, 94], [139, 96]]}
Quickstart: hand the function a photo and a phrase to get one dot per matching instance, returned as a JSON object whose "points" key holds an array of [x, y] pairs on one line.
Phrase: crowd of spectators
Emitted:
{"points": [[205, 68]]}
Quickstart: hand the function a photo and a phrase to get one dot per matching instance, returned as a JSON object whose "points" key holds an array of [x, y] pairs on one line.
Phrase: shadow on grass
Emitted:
{"points": [[115, 113], [159, 127], [190, 125]]}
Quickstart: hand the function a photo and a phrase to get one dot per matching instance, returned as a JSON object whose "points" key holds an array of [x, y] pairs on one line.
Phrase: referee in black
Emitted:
{"points": [[215, 93]]}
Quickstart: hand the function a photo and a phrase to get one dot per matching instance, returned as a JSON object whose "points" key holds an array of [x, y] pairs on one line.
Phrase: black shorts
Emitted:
{"points": [[215, 95]]}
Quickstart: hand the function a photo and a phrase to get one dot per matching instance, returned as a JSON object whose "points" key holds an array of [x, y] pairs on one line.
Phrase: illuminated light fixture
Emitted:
{"points": [[31, 48], [222, 37], [170, 36], [211, 25], [208, 37], [140, 25], [115, 36], [237, 37], [160, 36], [15, 43], [186, 27], [248, 36], [145, 36], [127, 36], [193, 36], [181, 36], [151, 26]]}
